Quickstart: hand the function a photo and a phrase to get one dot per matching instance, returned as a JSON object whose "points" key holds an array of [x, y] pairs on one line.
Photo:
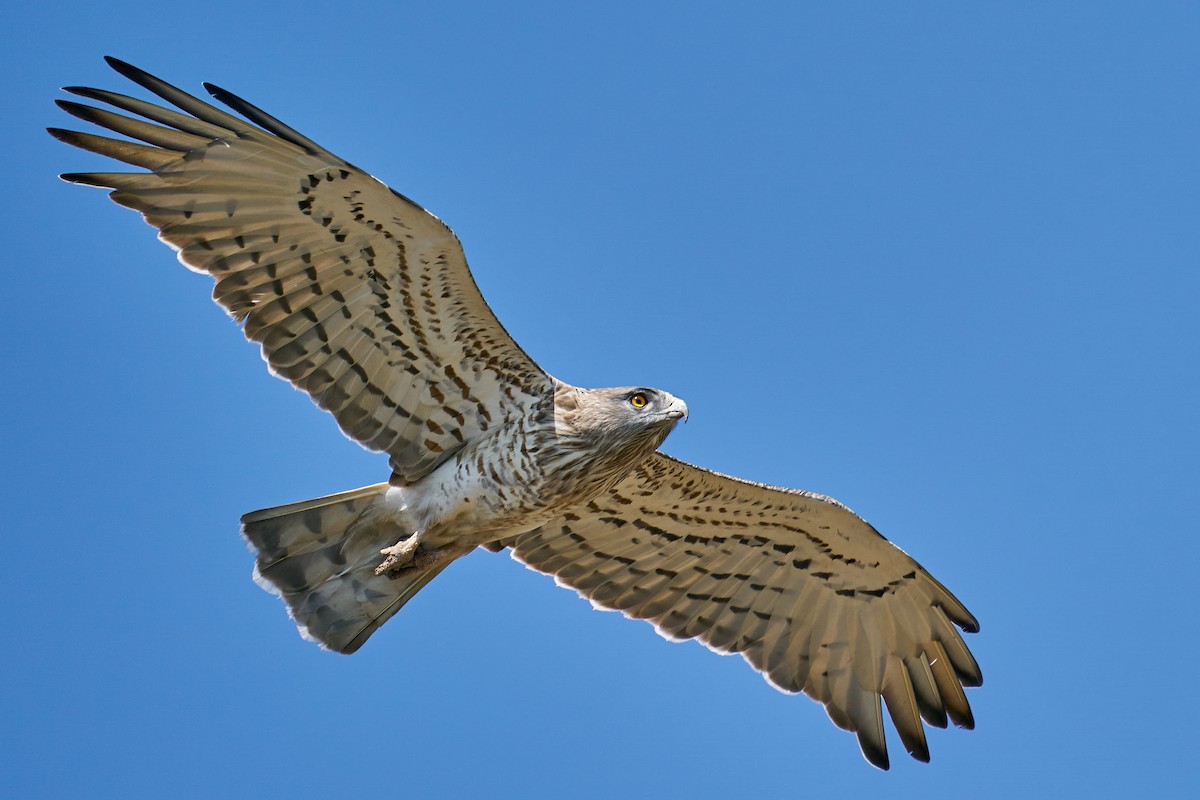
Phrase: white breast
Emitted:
{"points": [[472, 498]]}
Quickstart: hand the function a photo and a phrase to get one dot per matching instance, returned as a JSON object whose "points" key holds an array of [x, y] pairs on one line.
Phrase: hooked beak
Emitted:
{"points": [[677, 410]]}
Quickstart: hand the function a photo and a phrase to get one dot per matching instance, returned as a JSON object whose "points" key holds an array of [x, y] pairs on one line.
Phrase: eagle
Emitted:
{"points": [[363, 299]]}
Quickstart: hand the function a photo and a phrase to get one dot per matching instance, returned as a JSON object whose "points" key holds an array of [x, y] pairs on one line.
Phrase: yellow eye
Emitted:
{"points": [[638, 400]]}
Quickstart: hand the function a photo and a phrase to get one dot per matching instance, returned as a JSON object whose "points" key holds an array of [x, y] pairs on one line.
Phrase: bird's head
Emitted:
{"points": [[642, 407], [635, 417]]}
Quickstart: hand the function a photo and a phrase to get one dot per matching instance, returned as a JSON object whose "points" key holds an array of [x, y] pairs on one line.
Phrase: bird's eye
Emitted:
{"points": [[638, 400]]}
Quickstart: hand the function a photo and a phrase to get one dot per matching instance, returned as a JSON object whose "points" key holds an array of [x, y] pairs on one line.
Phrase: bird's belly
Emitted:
{"points": [[460, 504]]}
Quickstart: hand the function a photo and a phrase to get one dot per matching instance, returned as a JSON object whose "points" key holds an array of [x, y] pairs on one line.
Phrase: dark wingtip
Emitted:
{"points": [[120, 66], [138, 76], [224, 95], [81, 111], [878, 756], [83, 179], [86, 91], [68, 137]]}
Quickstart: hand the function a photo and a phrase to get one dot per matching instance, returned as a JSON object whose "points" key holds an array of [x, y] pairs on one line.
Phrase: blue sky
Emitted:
{"points": [[937, 260]]}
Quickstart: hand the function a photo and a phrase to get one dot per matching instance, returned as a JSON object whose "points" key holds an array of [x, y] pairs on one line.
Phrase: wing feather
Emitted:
{"points": [[173, 119], [809, 593], [897, 690], [929, 700], [157, 135], [357, 295], [948, 685]]}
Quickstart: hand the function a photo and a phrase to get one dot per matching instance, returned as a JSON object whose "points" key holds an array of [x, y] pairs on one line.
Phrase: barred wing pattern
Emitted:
{"points": [[809, 593], [358, 296]]}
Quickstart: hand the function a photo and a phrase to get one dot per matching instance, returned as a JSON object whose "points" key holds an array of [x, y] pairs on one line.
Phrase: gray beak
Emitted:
{"points": [[677, 409]]}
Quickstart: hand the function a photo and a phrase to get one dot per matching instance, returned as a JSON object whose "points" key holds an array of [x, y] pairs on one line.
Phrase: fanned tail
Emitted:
{"points": [[320, 557]]}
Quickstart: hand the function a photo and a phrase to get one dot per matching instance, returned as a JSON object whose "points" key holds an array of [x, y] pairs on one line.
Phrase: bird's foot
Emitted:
{"points": [[401, 555], [408, 554]]}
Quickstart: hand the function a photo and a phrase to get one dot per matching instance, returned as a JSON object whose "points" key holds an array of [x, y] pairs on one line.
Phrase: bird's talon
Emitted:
{"points": [[399, 556]]}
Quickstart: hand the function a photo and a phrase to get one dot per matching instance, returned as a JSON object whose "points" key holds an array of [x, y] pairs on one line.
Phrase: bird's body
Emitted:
{"points": [[345, 563], [524, 473], [362, 299]]}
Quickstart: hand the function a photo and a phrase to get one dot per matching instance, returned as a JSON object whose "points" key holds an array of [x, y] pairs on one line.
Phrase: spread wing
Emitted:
{"points": [[358, 296], [809, 593]]}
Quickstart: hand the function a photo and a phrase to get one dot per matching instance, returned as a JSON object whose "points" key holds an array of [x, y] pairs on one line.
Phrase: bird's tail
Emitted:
{"points": [[320, 557]]}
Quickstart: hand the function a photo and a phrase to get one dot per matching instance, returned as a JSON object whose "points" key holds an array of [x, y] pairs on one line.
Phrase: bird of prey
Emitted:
{"points": [[363, 299]]}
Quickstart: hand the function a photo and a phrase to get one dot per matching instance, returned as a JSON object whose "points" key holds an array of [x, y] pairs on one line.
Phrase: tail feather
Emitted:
{"points": [[320, 557]]}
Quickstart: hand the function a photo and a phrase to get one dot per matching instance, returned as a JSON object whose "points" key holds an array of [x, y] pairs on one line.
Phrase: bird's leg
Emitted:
{"points": [[409, 554], [400, 555]]}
